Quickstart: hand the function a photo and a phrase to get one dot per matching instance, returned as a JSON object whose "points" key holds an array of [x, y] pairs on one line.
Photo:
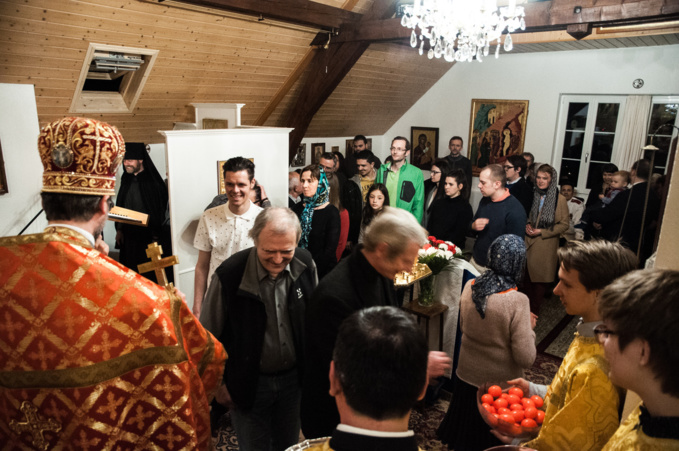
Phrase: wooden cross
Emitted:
{"points": [[157, 264], [34, 425]]}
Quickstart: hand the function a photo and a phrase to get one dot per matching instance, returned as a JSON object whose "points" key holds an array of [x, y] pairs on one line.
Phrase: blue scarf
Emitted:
{"points": [[506, 259], [310, 203]]}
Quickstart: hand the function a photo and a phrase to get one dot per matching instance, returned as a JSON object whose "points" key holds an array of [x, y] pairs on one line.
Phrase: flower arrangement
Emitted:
{"points": [[436, 254]]}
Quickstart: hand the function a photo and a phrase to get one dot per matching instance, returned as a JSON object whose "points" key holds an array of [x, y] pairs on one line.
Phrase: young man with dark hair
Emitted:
{"points": [[515, 168], [365, 178], [94, 355], [404, 181], [499, 213], [377, 374], [640, 314], [223, 230], [581, 403]]}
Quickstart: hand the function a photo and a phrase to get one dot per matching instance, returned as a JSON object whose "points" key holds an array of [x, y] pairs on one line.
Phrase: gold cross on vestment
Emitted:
{"points": [[34, 425], [158, 264]]}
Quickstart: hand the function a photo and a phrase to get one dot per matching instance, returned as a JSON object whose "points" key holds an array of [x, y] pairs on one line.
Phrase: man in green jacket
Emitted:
{"points": [[404, 181]]}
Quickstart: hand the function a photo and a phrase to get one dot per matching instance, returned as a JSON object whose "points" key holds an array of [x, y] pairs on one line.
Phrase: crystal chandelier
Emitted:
{"points": [[460, 30]]}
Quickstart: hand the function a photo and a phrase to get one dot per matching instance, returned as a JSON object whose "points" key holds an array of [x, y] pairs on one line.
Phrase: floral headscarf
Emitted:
{"points": [[506, 259], [310, 203]]}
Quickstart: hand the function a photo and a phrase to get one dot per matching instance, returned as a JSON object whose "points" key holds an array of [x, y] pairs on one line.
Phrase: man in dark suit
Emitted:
{"points": [[364, 279], [377, 374], [622, 218]]}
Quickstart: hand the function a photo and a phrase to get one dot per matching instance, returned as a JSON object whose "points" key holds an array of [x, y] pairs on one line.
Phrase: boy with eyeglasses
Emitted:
{"points": [[515, 169], [581, 403], [640, 313]]}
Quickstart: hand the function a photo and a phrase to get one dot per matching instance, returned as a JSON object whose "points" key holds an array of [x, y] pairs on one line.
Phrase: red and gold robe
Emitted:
{"points": [[95, 356]]}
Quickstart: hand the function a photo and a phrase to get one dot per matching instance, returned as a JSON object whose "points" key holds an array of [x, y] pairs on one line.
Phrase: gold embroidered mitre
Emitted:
{"points": [[80, 156]]}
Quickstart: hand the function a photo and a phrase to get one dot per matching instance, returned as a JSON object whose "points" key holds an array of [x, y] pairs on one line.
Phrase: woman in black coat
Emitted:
{"points": [[451, 215]]}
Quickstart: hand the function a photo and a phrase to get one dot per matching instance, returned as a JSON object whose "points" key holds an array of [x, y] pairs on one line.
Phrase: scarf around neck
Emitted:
{"points": [[543, 218], [310, 203]]}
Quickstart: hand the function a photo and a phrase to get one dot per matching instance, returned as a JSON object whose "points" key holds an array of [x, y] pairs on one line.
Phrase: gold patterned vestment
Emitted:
{"points": [[581, 405], [630, 436], [94, 356]]}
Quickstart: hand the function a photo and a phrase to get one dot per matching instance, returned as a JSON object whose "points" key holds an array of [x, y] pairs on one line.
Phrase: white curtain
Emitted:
{"points": [[632, 135]]}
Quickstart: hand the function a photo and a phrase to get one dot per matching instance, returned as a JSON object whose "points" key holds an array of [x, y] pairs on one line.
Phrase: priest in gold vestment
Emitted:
{"points": [[93, 355]]}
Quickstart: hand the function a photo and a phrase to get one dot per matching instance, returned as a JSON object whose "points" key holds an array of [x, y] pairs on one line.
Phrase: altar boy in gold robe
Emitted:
{"points": [[93, 355]]}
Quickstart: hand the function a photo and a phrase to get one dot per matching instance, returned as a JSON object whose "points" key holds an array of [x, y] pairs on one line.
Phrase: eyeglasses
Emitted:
{"points": [[602, 333], [434, 172], [508, 167], [398, 149]]}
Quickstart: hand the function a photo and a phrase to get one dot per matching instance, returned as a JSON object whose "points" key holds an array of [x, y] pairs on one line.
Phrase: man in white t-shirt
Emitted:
{"points": [[223, 230]]}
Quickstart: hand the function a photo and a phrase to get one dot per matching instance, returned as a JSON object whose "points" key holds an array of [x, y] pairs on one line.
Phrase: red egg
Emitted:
{"points": [[528, 423], [487, 398], [516, 407], [518, 415], [500, 402], [509, 418], [495, 391], [516, 391], [531, 412], [538, 401], [513, 399], [540, 418]]}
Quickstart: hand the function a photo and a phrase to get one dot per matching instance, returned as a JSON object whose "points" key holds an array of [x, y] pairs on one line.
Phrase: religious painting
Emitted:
{"points": [[214, 124], [300, 156], [424, 143], [220, 175], [350, 147], [318, 149], [497, 130], [3, 176]]}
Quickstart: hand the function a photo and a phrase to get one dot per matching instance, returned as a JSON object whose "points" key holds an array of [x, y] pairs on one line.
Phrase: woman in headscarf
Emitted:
{"points": [[497, 342], [547, 220], [320, 220]]}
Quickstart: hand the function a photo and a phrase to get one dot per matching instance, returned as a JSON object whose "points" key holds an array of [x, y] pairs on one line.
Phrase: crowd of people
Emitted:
{"points": [[296, 323]]}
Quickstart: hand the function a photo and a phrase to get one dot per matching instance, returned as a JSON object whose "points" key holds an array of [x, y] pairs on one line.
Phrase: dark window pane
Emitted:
{"points": [[572, 145], [602, 147], [662, 113], [569, 171], [660, 155], [577, 116], [606, 117], [595, 174]]}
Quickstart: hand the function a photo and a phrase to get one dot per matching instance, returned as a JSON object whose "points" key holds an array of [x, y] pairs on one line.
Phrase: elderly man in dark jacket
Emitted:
{"points": [[364, 279], [255, 307]]}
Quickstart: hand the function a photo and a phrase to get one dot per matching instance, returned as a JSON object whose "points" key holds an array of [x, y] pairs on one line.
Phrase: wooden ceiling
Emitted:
{"points": [[211, 55]]}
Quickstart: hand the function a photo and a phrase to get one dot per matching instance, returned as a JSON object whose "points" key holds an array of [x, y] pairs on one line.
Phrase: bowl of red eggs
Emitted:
{"points": [[509, 411]]}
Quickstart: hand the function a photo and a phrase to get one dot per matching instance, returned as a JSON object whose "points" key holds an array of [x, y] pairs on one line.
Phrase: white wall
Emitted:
{"points": [[19, 130], [539, 78]]}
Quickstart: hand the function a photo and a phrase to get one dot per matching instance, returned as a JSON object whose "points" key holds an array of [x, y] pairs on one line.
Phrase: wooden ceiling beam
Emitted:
{"points": [[327, 69], [302, 12], [540, 16]]}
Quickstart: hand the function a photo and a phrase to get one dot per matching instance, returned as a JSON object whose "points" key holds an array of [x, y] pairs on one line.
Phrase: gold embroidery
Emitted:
{"points": [[95, 373], [34, 425]]}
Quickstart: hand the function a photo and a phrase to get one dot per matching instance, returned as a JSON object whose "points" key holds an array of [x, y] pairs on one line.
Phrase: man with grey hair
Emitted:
{"points": [[364, 279], [255, 307], [294, 189]]}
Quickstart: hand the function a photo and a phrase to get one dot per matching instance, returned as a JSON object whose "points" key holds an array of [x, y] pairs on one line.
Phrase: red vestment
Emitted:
{"points": [[95, 356]]}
